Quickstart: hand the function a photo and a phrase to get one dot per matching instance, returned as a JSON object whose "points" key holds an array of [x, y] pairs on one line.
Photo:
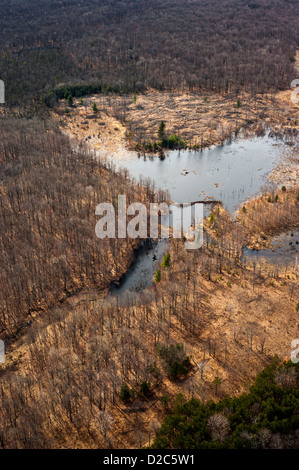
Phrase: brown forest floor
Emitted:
{"points": [[232, 320]]}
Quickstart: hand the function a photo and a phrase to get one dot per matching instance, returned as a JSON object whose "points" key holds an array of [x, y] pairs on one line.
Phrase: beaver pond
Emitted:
{"points": [[231, 173]]}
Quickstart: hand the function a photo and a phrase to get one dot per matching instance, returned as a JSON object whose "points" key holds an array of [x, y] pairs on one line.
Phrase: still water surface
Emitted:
{"points": [[230, 173]]}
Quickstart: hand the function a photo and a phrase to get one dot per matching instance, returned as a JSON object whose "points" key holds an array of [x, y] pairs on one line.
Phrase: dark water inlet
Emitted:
{"points": [[141, 273]]}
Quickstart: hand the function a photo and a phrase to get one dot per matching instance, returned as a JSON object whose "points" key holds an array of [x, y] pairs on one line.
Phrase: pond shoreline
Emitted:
{"points": [[226, 152], [283, 250]]}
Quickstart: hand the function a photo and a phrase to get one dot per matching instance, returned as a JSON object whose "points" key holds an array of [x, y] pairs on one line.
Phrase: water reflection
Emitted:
{"points": [[232, 172]]}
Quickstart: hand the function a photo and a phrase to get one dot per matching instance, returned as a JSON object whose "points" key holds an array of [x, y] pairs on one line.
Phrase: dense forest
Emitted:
{"points": [[267, 417], [49, 193], [172, 366], [216, 45]]}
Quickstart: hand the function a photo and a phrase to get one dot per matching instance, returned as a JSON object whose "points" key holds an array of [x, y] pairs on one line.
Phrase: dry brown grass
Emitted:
{"points": [[199, 119]]}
